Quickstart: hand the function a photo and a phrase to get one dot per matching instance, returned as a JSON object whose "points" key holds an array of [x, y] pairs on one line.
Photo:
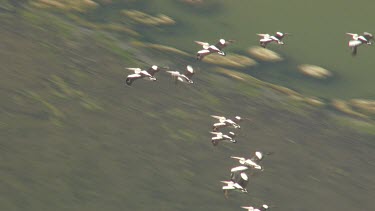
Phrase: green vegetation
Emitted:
{"points": [[75, 137]]}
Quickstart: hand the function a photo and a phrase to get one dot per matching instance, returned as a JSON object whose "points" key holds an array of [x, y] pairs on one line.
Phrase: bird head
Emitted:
{"points": [[154, 67], [259, 155]]}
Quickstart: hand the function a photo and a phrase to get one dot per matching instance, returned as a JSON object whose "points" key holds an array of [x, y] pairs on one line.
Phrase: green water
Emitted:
{"points": [[318, 29]]}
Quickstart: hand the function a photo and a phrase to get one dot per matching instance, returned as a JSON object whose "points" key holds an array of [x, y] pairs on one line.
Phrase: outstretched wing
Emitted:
{"points": [[368, 36], [130, 79], [220, 118], [264, 36], [136, 70], [249, 208], [354, 36], [202, 43], [202, 53], [238, 158]]}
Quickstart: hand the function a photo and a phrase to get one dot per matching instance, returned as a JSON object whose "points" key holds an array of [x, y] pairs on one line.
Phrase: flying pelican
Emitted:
{"points": [[263, 208], [248, 162], [222, 137], [209, 49], [358, 40], [267, 38], [239, 184], [139, 73], [224, 122], [186, 77]]}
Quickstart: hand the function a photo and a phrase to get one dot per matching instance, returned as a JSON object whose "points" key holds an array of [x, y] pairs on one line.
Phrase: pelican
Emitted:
{"points": [[358, 40], [239, 184], [209, 49], [222, 137], [267, 38], [248, 162], [224, 122], [139, 73], [186, 77], [263, 208]]}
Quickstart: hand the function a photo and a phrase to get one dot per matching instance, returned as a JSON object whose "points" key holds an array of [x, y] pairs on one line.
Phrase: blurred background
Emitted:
{"points": [[73, 136]]}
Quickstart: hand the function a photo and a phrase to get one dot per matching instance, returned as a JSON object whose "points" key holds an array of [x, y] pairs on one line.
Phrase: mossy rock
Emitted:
{"points": [[344, 107], [366, 106], [66, 5], [314, 71], [146, 19], [264, 54], [230, 60], [159, 47], [314, 101]]}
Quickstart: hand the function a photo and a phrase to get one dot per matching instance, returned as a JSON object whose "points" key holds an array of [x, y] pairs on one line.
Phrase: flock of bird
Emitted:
{"points": [[238, 177], [355, 41]]}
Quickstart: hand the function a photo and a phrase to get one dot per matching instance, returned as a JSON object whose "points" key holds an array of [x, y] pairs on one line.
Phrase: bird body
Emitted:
{"points": [[357, 40], [144, 74], [237, 183], [186, 77], [224, 122], [209, 49], [222, 137], [267, 38]]}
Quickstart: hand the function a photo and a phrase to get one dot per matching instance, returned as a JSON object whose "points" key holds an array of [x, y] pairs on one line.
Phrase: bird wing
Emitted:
{"points": [[264, 35], [368, 36], [202, 43], [131, 78], [220, 118], [134, 76], [173, 73], [203, 53], [249, 208], [145, 73], [136, 70], [239, 158], [354, 36], [239, 169]]}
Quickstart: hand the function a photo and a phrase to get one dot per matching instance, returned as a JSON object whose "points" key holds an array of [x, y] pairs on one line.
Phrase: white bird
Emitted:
{"points": [[358, 40], [247, 163], [252, 162], [209, 49], [237, 185], [222, 137], [267, 38], [263, 208], [186, 77], [139, 73], [224, 122]]}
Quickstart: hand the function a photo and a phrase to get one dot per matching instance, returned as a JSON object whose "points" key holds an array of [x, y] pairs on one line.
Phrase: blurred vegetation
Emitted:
{"points": [[74, 137]]}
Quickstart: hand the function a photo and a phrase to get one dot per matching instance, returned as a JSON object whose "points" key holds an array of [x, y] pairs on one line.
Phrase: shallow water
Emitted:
{"points": [[318, 37]]}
